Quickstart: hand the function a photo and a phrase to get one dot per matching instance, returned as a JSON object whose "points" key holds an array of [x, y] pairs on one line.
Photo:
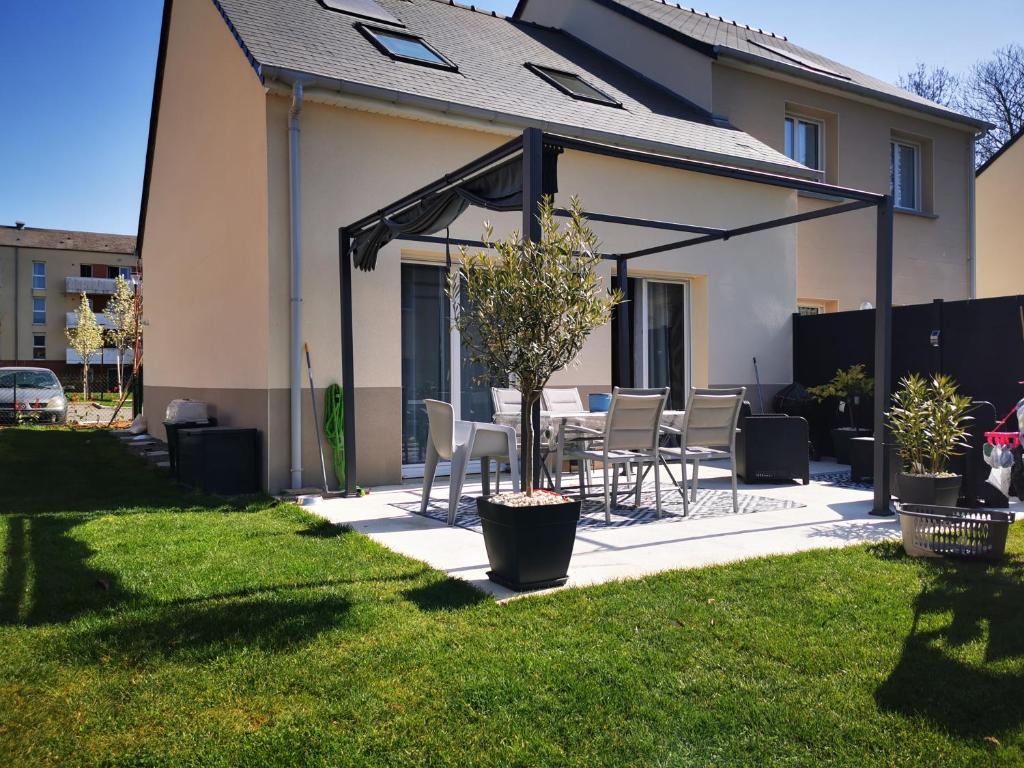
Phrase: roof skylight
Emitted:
{"points": [[405, 47], [366, 9], [573, 85]]}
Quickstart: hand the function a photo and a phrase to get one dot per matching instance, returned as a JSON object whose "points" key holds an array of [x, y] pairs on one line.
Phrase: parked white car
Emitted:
{"points": [[31, 394]]}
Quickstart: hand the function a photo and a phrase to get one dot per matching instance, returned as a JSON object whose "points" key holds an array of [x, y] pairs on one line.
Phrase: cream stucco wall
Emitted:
{"points": [[205, 248], [353, 162], [837, 255], [1000, 217]]}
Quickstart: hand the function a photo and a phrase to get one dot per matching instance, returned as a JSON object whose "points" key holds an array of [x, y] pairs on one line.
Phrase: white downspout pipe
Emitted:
{"points": [[972, 232], [295, 211]]}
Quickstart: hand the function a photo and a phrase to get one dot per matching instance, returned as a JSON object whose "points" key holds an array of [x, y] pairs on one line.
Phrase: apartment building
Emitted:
{"points": [[43, 273]]}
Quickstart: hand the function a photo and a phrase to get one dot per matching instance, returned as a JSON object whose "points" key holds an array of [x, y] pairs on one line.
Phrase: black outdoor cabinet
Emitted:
{"points": [[772, 447], [223, 460], [172, 428]]}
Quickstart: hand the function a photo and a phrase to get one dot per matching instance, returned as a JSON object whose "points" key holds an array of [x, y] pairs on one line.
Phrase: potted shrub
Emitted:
{"points": [[848, 387], [929, 421], [527, 313]]}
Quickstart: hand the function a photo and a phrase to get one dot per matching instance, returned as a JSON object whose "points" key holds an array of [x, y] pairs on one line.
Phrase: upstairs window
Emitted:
{"points": [[405, 47], [38, 275], [38, 311], [38, 346], [905, 175], [804, 141], [573, 85]]}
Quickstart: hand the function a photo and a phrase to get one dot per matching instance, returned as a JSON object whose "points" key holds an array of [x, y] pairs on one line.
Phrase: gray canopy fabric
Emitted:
{"points": [[499, 189]]}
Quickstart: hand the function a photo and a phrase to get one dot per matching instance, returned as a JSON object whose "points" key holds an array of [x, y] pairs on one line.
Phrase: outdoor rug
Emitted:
{"points": [[840, 479], [710, 503]]}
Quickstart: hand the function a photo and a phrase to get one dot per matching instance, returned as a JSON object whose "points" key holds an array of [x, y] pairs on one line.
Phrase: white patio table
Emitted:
{"points": [[557, 427]]}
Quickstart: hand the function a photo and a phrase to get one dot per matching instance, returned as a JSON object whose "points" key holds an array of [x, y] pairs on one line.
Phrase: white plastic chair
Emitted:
{"points": [[709, 432], [459, 442], [631, 434]]}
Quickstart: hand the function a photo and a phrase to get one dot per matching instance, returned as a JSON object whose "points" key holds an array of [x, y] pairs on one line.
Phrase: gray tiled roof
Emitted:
{"points": [[66, 240], [732, 37], [302, 36]]}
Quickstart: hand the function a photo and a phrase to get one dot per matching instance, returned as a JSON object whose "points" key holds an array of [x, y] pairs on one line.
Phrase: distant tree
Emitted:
{"points": [[124, 327], [86, 338], [936, 84], [994, 92]]}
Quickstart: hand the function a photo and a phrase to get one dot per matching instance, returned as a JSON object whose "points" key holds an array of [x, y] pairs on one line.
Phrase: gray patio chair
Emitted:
{"points": [[561, 400], [709, 432], [506, 400], [631, 433], [459, 442]]}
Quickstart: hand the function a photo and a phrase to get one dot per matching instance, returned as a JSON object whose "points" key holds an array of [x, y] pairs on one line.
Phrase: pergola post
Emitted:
{"points": [[348, 382], [883, 351], [533, 190], [624, 342]]}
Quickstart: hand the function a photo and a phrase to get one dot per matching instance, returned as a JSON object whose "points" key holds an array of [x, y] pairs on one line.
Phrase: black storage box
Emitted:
{"points": [[772, 448], [172, 428], [222, 460]]}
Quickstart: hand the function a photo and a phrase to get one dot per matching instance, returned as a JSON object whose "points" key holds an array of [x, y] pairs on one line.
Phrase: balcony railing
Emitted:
{"points": [[72, 320], [101, 285], [106, 356]]}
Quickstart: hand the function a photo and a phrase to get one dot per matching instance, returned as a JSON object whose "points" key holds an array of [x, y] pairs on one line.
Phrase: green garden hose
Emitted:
{"points": [[334, 429]]}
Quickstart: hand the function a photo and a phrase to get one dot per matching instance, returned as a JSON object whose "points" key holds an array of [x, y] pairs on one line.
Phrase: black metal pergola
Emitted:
{"points": [[530, 146]]}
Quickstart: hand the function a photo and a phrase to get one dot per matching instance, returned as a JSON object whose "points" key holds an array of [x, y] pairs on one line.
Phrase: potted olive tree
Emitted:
{"points": [[848, 387], [929, 421], [527, 313]]}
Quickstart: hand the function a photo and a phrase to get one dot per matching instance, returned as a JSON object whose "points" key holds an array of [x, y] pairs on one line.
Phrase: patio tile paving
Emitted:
{"points": [[828, 513]]}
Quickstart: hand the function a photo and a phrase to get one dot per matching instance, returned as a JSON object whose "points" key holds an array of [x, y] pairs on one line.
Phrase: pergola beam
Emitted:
{"points": [[633, 221], [749, 229], [712, 169]]}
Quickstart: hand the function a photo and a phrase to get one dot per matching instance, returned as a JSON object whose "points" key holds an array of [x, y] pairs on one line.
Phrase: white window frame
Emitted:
{"points": [[43, 276], [414, 471], [38, 346], [797, 118], [641, 367], [894, 175], [34, 310]]}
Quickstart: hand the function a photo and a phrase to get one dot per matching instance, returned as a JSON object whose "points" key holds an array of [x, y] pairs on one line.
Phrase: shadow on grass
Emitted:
{"points": [[446, 595], [972, 603], [46, 578], [271, 623]]}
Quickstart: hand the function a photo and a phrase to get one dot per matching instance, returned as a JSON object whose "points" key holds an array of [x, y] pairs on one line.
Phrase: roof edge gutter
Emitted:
{"points": [[508, 123], [154, 119]]}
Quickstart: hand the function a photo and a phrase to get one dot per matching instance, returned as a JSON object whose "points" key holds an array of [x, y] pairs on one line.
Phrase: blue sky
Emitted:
{"points": [[78, 80]]}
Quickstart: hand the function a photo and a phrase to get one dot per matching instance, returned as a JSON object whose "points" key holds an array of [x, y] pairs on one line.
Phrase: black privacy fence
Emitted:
{"points": [[980, 343]]}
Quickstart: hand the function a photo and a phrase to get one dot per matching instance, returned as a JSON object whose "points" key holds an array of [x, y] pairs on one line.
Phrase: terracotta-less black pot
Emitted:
{"points": [[841, 437], [529, 547], [929, 491]]}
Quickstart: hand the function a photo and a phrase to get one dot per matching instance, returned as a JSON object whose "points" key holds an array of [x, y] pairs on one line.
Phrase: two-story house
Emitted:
{"points": [[276, 123]]}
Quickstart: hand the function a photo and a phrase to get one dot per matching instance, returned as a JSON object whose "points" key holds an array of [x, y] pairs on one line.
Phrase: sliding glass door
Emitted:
{"points": [[429, 370], [661, 334]]}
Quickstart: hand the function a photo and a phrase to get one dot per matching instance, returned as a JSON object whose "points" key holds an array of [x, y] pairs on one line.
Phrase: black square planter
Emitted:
{"points": [[529, 547]]}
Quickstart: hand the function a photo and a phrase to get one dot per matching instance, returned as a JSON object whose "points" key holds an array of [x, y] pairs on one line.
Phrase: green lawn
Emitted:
{"points": [[140, 625]]}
